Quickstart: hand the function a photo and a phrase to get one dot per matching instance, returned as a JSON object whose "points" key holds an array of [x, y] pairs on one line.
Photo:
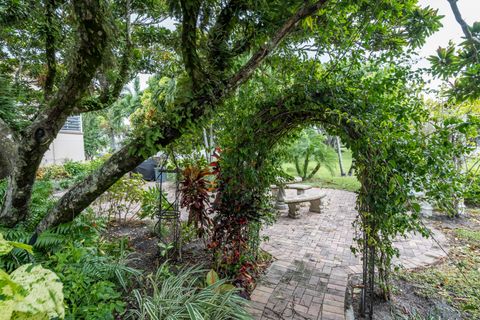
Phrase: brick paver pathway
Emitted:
{"points": [[308, 279]]}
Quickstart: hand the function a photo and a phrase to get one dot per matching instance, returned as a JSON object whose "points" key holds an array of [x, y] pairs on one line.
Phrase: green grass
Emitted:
{"points": [[326, 179], [469, 235]]}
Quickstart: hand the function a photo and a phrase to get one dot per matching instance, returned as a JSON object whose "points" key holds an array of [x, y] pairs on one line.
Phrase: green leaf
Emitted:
{"points": [[416, 207], [5, 246], [44, 294], [193, 312], [226, 287], [23, 246], [212, 277]]}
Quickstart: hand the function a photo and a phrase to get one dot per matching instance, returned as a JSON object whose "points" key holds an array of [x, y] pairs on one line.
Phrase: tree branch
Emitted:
{"points": [[79, 197], [50, 49], [190, 11], [462, 23], [219, 33], [111, 93], [265, 50], [92, 34]]}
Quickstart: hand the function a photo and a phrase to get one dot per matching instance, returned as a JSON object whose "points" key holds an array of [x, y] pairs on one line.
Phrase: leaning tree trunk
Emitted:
{"points": [[79, 197], [33, 141]]}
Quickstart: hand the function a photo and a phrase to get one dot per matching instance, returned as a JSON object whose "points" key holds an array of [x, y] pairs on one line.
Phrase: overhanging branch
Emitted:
{"points": [[92, 41], [81, 195], [190, 11], [110, 93], [265, 50], [463, 23], [218, 54], [50, 49]]}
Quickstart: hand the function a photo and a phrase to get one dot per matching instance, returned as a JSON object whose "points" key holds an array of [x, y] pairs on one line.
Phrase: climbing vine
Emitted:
{"points": [[376, 110]]}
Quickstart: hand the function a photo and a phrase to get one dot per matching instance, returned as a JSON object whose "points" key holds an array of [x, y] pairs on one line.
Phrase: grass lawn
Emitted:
{"points": [[325, 179]]}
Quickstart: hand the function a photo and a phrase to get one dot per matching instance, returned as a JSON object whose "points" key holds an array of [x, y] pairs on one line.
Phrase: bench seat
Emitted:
{"points": [[293, 204], [301, 188]]}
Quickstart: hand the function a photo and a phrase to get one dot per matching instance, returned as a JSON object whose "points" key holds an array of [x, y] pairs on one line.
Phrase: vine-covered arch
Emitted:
{"points": [[383, 128]]}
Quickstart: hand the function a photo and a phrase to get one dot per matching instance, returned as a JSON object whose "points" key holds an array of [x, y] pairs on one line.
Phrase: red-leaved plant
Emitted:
{"points": [[194, 189]]}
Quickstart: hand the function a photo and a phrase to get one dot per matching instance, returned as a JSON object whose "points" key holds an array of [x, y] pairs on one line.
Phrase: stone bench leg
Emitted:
{"points": [[293, 211], [315, 206], [280, 204]]}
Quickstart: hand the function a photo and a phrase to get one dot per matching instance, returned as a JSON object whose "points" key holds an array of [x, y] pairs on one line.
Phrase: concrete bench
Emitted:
{"points": [[299, 187], [293, 204]]}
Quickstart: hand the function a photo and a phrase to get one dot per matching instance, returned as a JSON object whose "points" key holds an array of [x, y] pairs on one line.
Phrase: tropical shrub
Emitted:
{"points": [[123, 199], [150, 202], [52, 172], [75, 168], [311, 146], [185, 296], [68, 173], [188, 232], [93, 282], [472, 194], [93, 271], [194, 189]]}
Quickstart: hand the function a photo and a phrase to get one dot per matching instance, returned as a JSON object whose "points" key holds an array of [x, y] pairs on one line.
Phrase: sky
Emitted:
{"points": [[451, 30]]}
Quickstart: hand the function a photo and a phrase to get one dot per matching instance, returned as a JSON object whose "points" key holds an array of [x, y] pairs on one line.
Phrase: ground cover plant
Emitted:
{"points": [[188, 294], [454, 279]]}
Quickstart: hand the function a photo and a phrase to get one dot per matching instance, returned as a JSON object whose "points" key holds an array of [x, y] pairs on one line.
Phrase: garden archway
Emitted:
{"points": [[383, 164]]}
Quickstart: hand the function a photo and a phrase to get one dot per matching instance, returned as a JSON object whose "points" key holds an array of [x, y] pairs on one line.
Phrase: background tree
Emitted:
{"points": [[311, 146], [104, 130]]}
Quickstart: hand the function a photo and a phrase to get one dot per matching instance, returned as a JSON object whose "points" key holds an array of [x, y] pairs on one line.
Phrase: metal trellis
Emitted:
{"points": [[168, 224]]}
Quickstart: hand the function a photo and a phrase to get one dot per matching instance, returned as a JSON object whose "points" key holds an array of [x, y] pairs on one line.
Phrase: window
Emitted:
{"points": [[73, 124]]}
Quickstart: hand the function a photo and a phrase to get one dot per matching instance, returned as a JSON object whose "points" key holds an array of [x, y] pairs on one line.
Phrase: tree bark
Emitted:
{"points": [[315, 170], [340, 158], [465, 27], [8, 151], [305, 165], [297, 166], [37, 137]]}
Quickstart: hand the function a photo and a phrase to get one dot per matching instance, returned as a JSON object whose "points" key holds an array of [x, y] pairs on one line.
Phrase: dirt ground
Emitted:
{"points": [[407, 301]]}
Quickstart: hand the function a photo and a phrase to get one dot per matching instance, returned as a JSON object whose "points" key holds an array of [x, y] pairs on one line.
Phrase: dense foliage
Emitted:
{"points": [[195, 198]]}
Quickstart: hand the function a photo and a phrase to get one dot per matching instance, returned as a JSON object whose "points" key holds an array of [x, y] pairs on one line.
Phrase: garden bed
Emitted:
{"points": [[145, 252], [446, 290]]}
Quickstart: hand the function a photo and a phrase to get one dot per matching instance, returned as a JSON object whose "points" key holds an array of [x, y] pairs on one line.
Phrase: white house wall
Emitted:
{"points": [[66, 146]]}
